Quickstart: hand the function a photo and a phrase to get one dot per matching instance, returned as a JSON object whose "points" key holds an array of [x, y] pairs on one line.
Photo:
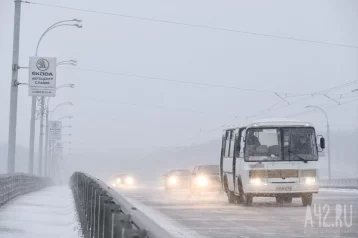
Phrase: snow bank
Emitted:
{"points": [[47, 213]]}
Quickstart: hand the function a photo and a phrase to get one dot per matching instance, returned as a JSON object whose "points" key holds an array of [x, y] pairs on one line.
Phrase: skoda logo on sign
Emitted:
{"points": [[56, 125], [42, 64]]}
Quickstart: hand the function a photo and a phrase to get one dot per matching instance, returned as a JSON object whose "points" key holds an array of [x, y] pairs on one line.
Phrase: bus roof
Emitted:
{"points": [[278, 122], [274, 122]]}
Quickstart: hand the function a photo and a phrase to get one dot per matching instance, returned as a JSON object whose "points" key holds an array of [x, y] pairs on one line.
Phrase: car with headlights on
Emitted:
{"points": [[205, 178], [177, 179], [123, 180]]}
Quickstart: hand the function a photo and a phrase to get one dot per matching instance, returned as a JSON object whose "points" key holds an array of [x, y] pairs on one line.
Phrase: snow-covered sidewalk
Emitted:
{"points": [[46, 213]]}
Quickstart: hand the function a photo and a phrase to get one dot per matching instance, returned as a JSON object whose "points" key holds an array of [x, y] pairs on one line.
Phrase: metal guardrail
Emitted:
{"points": [[13, 185], [339, 183], [103, 213]]}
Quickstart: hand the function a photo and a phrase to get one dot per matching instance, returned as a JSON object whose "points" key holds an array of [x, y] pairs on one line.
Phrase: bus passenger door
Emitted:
{"points": [[223, 140], [233, 147], [239, 156], [228, 159]]}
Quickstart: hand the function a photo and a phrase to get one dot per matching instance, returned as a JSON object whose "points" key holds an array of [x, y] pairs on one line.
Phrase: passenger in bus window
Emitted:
{"points": [[252, 139], [301, 146]]}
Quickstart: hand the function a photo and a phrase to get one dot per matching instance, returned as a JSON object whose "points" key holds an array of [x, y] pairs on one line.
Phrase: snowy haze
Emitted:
{"points": [[122, 122]]}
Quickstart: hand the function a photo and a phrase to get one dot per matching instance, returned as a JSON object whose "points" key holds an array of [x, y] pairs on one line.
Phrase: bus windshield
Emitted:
{"points": [[277, 144], [299, 144]]}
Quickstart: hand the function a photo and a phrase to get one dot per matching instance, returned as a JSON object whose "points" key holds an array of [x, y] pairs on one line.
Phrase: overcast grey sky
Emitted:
{"points": [[163, 113]]}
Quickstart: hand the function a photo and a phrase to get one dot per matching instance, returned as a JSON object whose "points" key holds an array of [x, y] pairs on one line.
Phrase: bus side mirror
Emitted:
{"points": [[322, 143]]}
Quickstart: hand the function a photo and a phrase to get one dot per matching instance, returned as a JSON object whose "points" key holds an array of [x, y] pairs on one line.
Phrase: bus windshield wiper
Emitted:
{"points": [[295, 154]]}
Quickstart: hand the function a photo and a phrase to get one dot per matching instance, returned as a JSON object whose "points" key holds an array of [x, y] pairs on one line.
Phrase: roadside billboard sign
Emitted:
{"points": [[42, 76], [55, 130]]}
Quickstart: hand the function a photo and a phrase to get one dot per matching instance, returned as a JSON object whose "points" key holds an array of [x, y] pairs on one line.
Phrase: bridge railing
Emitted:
{"points": [[103, 213], [339, 183], [13, 185]]}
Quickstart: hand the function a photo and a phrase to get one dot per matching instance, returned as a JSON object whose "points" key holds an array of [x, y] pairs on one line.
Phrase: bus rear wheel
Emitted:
{"points": [[248, 198], [231, 197]]}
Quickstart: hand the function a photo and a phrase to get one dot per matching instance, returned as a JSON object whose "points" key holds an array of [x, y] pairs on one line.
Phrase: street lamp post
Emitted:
{"points": [[67, 62], [14, 90], [328, 140], [42, 102], [47, 128], [47, 119], [51, 162], [53, 159]]}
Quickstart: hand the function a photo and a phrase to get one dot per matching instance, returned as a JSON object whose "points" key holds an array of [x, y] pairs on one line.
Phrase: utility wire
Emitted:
{"points": [[337, 87], [326, 105], [291, 115], [176, 109], [296, 114], [183, 81], [191, 25], [321, 92]]}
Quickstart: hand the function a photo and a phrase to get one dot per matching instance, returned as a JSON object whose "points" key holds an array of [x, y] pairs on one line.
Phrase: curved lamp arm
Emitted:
{"points": [[57, 24], [319, 108], [62, 104], [70, 85]]}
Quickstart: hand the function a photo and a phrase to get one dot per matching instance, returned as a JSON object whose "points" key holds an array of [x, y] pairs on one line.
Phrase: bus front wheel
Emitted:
{"points": [[307, 199], [283, 199]]}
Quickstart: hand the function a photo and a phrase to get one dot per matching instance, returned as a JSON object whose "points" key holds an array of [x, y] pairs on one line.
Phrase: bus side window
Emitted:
{"points": [[223, 140], [232, 141], [227, 149], [242, 142]]}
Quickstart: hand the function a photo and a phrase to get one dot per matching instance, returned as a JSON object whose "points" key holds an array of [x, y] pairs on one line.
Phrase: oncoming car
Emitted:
{"points": [[123, 180], [177, 179], [205, 178]]}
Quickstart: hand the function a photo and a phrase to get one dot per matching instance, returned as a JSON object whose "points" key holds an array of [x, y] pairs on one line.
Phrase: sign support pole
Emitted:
{"points": [[42, 82], [32, 135], [46, 173], [14, 90], [42, 109]]}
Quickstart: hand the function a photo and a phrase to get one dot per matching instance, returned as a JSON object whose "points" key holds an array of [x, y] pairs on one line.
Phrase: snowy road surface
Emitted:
{"points": [[212, 216], [46, 213]]}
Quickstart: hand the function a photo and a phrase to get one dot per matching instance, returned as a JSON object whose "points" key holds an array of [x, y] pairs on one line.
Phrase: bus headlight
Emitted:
{"points": [[172, 180], [256, 181], [202, 181], [310, 180], [118, 180], [129, 181]]}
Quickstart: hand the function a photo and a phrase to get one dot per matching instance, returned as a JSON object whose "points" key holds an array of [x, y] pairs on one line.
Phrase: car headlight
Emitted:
{"points": [[114, 184], [118, 180], [129, 181], [310, 180], [256, 181], [202, 181], [172, 180]]}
